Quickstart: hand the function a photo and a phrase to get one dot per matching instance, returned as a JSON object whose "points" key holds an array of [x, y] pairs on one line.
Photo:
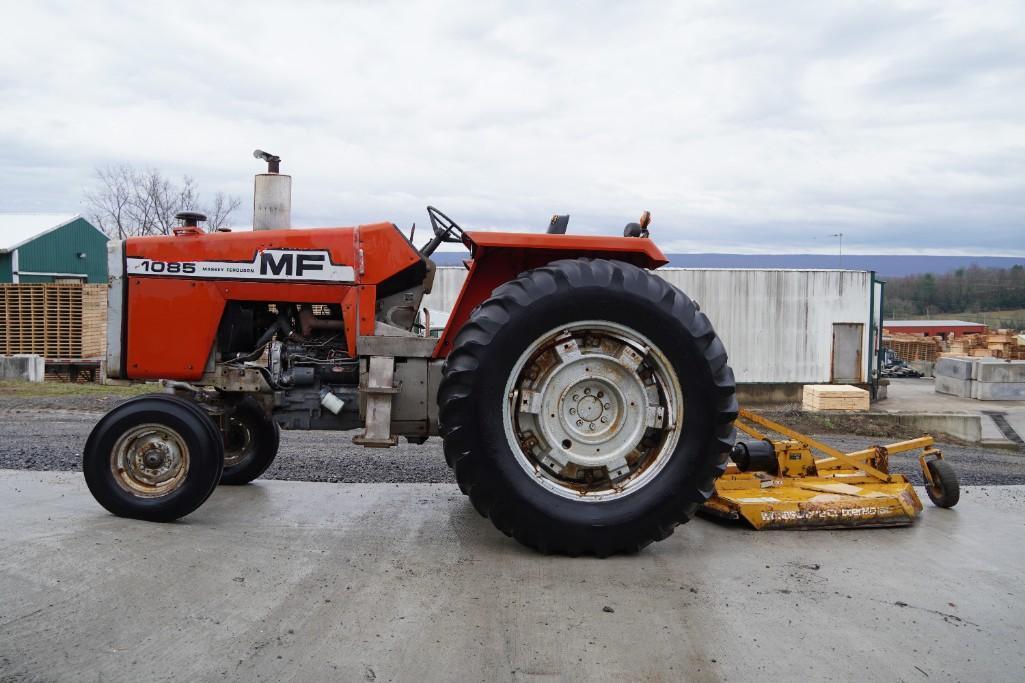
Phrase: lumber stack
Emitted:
{"points": [[834, 397], [912, 347], [94, 321], [1000, 344], [55, 321]]}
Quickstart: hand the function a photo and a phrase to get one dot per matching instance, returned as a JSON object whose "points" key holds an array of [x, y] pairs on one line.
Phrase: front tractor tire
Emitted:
{"points": [[251, 440], [587, 408], [156, 458]]}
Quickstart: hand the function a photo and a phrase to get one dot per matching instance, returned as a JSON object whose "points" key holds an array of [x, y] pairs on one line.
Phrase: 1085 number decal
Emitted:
{"points": [[167, 267]]}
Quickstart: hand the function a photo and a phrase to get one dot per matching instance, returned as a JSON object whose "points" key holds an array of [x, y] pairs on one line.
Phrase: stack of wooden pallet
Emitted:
{"points": [[94, 321], [963, 346], [914, 347], [56, 321], [1004, 344], [834, 397], [1000, 344]]}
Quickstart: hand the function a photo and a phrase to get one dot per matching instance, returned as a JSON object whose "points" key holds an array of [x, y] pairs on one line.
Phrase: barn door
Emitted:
{"points": [[847, 352]]}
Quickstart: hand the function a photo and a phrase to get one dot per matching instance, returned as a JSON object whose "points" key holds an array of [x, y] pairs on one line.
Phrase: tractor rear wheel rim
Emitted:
{"points": [[593, 410], [150, 460]]}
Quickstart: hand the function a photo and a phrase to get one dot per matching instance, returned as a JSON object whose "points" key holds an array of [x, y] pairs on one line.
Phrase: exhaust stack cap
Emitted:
{"points": [[273, 160]]}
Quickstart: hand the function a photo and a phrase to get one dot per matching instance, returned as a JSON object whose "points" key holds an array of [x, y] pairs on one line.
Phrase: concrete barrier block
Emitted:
{"points": [[998, 391], [953, 386], [1001, 371], [24, 367], [957, 368], [882, 389]]}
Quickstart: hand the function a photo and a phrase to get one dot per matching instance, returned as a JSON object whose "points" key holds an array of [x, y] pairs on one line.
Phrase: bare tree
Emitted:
{"points": [[220, 211], [111, 201], [126, 202]]}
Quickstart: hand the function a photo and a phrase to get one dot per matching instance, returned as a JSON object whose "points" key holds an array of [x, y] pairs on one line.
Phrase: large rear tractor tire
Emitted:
{"points": [[156, 457], [251, 440], [587, 408]]}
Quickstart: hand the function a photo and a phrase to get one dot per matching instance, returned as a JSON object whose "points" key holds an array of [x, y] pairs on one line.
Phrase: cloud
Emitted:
{"points": [[740, 126]]}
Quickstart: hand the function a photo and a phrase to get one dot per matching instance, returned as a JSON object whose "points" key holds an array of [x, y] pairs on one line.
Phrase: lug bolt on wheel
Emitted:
{"points": [[604, 419], [580, 423], [572, 411]]}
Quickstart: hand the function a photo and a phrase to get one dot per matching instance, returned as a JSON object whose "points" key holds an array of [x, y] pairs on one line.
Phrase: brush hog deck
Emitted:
{"points": [[779, 484], [813, 502]]}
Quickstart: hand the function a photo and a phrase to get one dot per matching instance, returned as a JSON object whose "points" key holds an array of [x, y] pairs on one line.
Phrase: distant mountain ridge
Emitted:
{"points": [[885, 265]]}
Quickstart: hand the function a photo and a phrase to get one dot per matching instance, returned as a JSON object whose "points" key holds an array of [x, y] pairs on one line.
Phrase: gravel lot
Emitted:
{"points": [[53, 440], [48, 432]]}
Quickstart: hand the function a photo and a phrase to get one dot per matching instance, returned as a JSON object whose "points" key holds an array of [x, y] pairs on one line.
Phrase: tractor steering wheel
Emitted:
{"points": [[446, 229]]}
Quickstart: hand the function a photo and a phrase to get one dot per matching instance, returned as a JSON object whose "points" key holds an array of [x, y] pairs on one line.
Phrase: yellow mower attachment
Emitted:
{"points": [[780, 484]]}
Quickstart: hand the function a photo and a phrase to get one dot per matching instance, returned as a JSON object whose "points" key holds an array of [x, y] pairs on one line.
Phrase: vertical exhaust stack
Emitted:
{"points": [[272, 196]]}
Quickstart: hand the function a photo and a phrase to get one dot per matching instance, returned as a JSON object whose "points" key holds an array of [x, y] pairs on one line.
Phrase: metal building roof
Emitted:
{"points": [[928, 323], [16, 229]]}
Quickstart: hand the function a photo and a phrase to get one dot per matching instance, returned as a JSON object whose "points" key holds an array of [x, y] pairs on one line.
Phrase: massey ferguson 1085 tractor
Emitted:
{"points": [[586, 405]]}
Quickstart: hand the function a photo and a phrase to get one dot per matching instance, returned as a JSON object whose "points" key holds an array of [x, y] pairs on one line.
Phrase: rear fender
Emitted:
{"points": [[500, 257]]}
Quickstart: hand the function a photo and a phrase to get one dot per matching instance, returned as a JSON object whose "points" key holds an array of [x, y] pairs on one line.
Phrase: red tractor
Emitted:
{"points": [[586, 405]]}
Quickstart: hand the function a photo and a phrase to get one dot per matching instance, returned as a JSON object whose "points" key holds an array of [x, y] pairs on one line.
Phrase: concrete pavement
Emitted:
{"points": [[309, 581]]}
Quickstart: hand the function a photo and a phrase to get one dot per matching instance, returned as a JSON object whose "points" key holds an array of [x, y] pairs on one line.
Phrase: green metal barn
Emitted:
{"points": [[36, 247]]}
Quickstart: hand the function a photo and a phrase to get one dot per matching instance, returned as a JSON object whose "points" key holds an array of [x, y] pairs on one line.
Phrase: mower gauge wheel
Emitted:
{"points": [[945, 489]]}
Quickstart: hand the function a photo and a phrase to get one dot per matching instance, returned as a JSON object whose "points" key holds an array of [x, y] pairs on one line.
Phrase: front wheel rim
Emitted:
{"points": [[239, 444], [593, 411], [150, 460]]}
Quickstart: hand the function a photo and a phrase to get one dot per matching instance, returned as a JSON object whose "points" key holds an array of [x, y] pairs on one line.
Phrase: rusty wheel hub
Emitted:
{"points": [[150, 460], [238, 442]]}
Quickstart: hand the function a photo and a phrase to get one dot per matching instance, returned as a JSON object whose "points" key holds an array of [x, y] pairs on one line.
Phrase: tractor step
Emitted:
{"points": [[377, 389]]}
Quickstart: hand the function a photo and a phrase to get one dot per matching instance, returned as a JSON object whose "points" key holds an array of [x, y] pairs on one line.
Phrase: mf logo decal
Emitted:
{"points": [[270, 264]]}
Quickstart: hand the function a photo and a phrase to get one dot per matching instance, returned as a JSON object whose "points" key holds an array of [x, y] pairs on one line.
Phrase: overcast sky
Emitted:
{"points": [[742, 127]]}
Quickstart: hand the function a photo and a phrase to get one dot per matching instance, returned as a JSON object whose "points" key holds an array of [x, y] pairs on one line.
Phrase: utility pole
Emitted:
{"points": [[840, 235]]}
